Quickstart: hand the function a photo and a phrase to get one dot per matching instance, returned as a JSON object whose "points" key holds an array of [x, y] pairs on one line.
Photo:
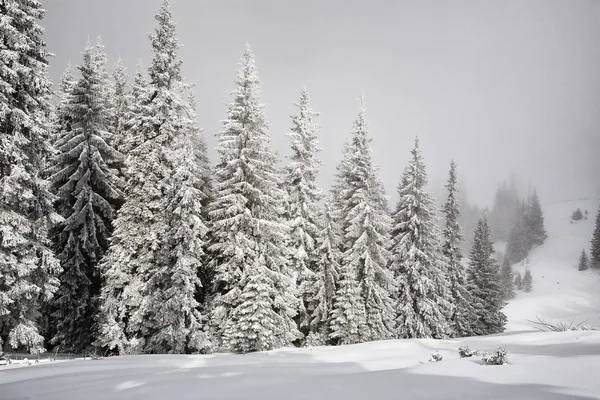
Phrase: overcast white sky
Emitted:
{"points": [[499, 86]]}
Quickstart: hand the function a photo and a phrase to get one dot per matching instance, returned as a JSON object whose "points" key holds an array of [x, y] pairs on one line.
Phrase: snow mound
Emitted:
{"points": [[541, 365]]}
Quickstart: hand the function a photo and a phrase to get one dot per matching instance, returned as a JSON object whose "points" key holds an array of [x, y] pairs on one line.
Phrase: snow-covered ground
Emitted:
{"points": [[541, 365]]}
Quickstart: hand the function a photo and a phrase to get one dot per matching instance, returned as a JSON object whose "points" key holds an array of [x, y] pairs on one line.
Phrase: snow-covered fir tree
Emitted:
{"points": [[179, 323], [326, 278], [140, 92], [518, 281], [303, 204], [584, 262], [86, 184], [519, 242], [150, 272], [535, 220], [100, 64], [256, 296], [484, 283], [61, 120], [508, 279], [27, 264], [527, 281], [203, 174], [460, 319], [595, 245], [366, 225], [121, 103], [425, 300], [348, 321]]}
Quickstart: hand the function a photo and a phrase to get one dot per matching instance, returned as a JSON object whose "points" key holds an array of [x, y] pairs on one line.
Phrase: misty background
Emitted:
{"points": [[500, 86]]}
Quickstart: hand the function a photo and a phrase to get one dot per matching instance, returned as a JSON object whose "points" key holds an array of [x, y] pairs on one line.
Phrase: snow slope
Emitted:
{"points": [[541, 365], [560, 292]]}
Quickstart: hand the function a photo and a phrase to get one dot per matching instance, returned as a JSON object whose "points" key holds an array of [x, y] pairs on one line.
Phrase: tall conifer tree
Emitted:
{"points": [[326, 279], [366, 225], [86, 184], [150, 272], [424, 304], [460, 319], [535, 220], [256, 298], [28, 266], [303, 209], [484, 283]]}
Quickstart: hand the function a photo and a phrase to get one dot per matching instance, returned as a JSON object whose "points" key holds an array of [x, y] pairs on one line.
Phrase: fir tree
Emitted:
{"points": [[107, 89], [519, 281], [424, 304], [527, 281], [484, 283], [508, 279], [140, 92], [61, 121], [327, 276], [595, 248], [177, 320], [302, 203], [460, 320], [584, 263], [366, 226], [256, 298], [348, 321], [535, 221], [204, 183], [121, 104], [86, 184], [150, 271], [519, 243], [28, 266]]}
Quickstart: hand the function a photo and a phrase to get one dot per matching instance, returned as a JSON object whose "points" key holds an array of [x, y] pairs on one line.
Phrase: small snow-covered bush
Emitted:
{"points": [[435, 357], [465, 351], [577, 215], [500, 357]]}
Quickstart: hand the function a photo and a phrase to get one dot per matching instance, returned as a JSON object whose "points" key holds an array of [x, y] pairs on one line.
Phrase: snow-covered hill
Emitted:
{"points": [[560, 293], [541, 365]]}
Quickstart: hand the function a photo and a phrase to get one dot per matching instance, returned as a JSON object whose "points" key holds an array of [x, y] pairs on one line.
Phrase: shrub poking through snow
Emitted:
{"points": [[500, 357], [465, 351], [577, 215], [561, 326], [435, 357]]}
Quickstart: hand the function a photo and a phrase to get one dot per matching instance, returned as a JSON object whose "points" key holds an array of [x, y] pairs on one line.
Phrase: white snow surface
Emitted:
{"points": [[542, 365]]}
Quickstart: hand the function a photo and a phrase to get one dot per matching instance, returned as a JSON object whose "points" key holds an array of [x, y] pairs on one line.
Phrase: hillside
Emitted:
{"points": [[560, 293]]}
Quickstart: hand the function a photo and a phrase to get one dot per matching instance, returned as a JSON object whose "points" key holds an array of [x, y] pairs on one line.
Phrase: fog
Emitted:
{"points": [[500, 86]]}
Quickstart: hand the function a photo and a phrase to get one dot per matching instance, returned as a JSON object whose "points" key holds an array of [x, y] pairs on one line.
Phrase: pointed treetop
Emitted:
{"points": [[67, 78], [362, 101], [165, 69], [247, 70]]}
